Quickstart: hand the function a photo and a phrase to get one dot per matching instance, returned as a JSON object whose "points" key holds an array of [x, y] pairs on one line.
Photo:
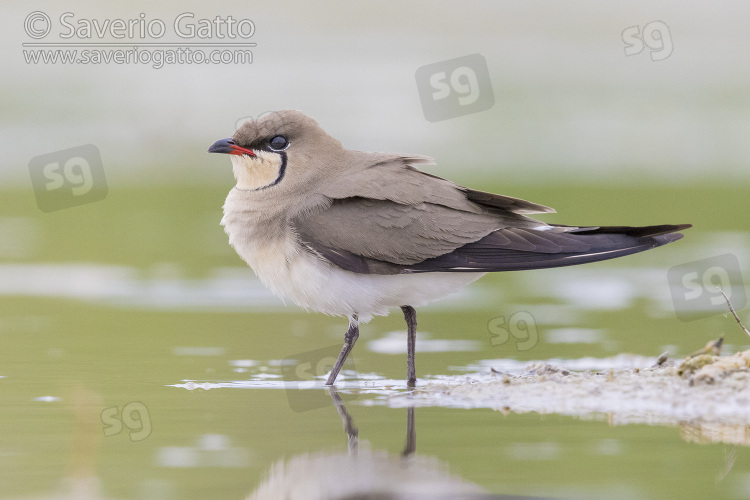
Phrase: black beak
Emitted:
{"points": [[227, 146]]}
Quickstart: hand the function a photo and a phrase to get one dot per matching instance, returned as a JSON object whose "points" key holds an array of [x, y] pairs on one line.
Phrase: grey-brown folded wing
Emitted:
{"points": [[383, 216], [369, 236], [383, 237], [391, 232]]}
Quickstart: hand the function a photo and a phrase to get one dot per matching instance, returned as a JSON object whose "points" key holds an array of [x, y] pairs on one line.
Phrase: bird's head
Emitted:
{"points": [[278, 150]]}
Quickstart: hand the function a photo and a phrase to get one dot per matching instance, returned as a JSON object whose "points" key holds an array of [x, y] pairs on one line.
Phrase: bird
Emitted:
{"points": [[355, 234]]}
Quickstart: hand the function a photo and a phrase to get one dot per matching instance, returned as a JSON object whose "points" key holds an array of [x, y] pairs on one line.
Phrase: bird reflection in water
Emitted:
{"points": [[363, 473]]}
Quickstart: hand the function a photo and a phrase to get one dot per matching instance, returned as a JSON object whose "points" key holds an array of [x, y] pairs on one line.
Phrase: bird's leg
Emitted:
{"points": [[351, 336], [411, 434], [410, 315], [352, 432]]}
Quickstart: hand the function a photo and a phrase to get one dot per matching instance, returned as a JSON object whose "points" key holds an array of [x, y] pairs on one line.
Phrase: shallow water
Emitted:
{"points": [[142, 360]]}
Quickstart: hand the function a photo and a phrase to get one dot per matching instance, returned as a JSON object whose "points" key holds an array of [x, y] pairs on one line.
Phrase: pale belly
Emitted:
{"points": [[315, 284]]}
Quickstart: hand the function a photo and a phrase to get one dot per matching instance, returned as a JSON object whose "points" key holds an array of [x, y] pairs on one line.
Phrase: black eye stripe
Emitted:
{"points": [[275, 143]]}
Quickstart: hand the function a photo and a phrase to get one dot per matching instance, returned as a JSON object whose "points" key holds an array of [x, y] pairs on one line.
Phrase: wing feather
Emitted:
{"points": [[387, 217]]}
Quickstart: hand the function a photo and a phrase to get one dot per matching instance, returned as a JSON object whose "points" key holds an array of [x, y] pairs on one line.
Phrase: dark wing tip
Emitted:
{"points": [[492, 253], [635, 231]]}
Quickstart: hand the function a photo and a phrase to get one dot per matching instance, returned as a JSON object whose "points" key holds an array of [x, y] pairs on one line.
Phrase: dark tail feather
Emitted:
{"points": [[493, 253]]}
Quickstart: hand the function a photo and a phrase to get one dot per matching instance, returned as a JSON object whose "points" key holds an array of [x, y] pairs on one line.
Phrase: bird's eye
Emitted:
{"points": [[279, 143]]}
